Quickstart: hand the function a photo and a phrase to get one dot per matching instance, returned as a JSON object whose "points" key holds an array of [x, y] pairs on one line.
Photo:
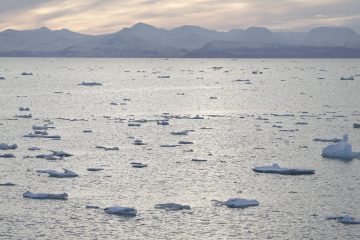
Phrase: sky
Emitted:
{"points": [[106, 16]]}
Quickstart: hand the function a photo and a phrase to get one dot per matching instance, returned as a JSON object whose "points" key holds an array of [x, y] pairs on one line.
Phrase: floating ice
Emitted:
{"points": [[335, 140], [185, 132], [185, 142], [198, 160], [7, 155], [90, 84], [138, 142], [341, 150], [61, 153], [34, 148], [138, 165], [26, 73], [2, 78], [275, 168], [57, 196], [32, 135], [4, 146], [163, 76], [7, 184], [48, 156], [87, 131], [169, 145], [356, 125], [162, 122], [108, 148], [24, 116], [121, 211], [134, 124], [24, 109], [241, 203], [66, 174], [347, 78], [345, 219], [94, 169], [172, 206]]}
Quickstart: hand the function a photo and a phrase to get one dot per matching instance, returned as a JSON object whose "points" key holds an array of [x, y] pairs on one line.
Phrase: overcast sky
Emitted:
{"points": [[99, 16]]}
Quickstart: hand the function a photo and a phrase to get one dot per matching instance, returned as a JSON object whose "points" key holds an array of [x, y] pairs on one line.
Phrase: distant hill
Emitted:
{"points": [[143, 40]]}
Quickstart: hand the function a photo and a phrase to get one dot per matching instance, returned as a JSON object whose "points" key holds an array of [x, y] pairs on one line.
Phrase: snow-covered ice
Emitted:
{"points": [[341, 150], [275, 168]]}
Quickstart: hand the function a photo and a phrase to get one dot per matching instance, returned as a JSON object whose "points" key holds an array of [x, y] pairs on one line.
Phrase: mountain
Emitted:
{"points": [[143, 40]]}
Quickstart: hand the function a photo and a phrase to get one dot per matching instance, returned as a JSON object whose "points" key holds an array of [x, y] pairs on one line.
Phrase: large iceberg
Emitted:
{"points": [[341, 150], [275, 168], [122, 211], [57, 196]]}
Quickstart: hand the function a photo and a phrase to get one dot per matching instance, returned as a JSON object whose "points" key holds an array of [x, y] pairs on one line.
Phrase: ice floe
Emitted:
{"points": [[56, 196], [91, 206], [7, 155], [7, 184], [185, 142], [138, 165], [34, 148], [4, 146], [335, 140], [347, 78], [66, 174], [171, 206], [237, 203], [340, 150], [26, 73], [345, 219], [33, 135], [90, 84], [24, 116], [356, 125], [94, 169], [121, 211], [275, 168], [108, 148], [24, 109]]}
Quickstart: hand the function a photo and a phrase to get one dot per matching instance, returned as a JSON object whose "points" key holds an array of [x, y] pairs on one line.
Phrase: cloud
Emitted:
{"points": [[98, 17]]}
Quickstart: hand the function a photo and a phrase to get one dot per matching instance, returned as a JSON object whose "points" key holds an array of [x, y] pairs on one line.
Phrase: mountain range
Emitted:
{"points": [[143, 40]]}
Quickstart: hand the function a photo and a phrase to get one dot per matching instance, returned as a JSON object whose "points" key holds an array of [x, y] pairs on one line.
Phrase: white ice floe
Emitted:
{"points": [[66, 174], [236, 203], [108, 148], [24, 109], [61, 153], [7, 184], [34, 148], [162, 122], [275, 168], [4, 146], [335, 140], [185, 142], [24, 116], [171, 206], [341, 150], [90, 84], [347, 78], [121, 211], [241, 203], [57, 196], [94, 169], [33, 135], [7, 155], [345, 219], [138, 165]]}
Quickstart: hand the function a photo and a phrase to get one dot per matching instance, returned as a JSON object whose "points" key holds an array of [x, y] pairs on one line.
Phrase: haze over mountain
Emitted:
{"points": [[143, 40]]}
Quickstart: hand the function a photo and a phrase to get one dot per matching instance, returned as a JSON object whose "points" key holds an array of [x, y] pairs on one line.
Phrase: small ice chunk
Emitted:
{"points": [[162, 122], [275, 168], [172, 206], [138, 165], [24, 116], [4, 146], [7, 184], [7, 155], [347, 78], [90, 84], [27, 73], [335, 140], [94, 169], [34, 148], [356, 125], [341, 150], [185, 142], [66, 174], [345, 219], [241, 203], [198, 160], [169, 145], [121, 211], [108, 148], [87, 131], [24, 109], [61, 153], [57, 196]]}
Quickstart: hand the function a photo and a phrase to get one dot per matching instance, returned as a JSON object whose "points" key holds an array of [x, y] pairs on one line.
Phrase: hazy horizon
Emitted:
{"points": [[95, 17]]}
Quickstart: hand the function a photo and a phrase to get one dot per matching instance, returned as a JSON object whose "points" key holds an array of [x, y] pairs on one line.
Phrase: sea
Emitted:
{"points": [[237, 113]]}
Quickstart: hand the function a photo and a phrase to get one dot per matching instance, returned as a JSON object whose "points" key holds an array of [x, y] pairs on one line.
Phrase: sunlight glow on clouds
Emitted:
{"points": [[98, 17]]}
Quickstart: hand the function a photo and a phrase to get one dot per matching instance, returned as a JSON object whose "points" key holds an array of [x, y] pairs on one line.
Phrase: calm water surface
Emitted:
{"points": [[239, 134]]}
